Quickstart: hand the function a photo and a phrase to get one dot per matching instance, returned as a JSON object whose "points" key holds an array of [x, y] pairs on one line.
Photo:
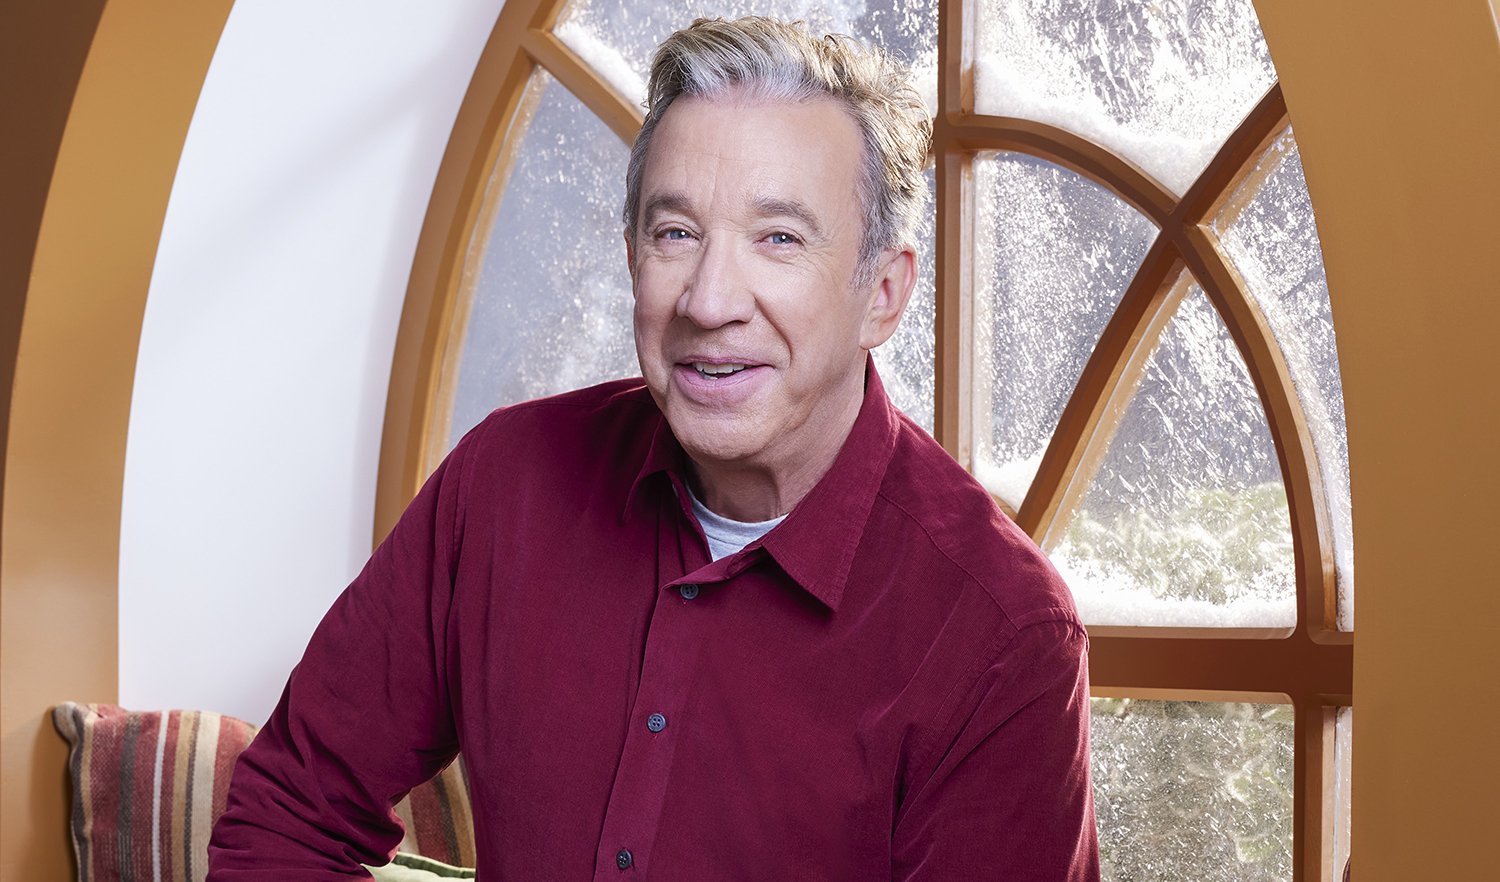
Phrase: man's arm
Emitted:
{"points": [[364, 717], [1011, 799]]}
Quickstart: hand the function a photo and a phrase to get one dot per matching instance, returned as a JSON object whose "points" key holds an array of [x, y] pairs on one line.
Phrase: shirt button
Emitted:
{"points": [[688, 592], [656, 722], [623, 859]]}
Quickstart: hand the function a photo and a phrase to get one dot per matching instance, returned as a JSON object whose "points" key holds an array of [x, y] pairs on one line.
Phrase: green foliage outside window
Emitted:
{"points": [[1220, 545]]}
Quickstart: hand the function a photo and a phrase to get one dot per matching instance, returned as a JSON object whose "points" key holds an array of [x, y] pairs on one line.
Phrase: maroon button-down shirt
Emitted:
{"points": [[891, 684]]}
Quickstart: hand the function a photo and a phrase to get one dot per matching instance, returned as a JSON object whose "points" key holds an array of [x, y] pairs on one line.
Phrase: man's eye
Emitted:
{"points": [[673, 235], [782, 239]]}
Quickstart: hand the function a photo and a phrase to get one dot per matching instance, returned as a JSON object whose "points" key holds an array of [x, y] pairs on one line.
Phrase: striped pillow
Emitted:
{"points": [[148, 786], [438, 819]]}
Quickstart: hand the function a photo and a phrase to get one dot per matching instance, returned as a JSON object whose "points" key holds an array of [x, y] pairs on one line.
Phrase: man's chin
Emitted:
{"points": [[715, 440]]}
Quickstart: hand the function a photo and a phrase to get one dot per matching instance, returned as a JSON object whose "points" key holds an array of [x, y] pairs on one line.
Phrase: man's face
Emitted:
{"points": [[749, 330]]}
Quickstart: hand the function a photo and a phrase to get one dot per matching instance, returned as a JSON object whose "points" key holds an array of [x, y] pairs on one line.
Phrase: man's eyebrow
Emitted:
{"points": [[764, 206], [662, 203], [772, 206]]}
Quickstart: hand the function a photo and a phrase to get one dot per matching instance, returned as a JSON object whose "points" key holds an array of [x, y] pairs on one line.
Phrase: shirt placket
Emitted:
{"points": [[655, 727]]}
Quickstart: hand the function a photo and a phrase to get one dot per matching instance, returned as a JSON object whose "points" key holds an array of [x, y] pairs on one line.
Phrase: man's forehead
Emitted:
{"points": [[760, 157], [740, 127]]}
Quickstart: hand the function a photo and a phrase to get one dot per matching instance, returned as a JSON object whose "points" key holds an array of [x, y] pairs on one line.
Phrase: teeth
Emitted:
{"points": [[717, 370]]}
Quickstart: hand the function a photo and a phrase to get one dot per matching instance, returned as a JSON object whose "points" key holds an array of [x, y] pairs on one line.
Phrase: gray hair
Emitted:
{"points": [[774, 60]]}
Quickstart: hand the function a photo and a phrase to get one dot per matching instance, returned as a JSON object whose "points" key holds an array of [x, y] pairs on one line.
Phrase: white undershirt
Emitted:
{"points": [[725, 536]]}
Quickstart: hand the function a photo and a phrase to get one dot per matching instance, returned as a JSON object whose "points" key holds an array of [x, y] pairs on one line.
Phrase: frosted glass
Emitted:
{"points": [[551, 305], [1270, 236], [618, 39], [1054, 252], [906, 361], [1160, 83], [1343, 802], [1186, 521], [1192, 791]]}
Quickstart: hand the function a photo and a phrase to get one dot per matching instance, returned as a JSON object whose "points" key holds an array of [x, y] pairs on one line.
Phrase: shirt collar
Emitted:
{"points": [[816, 543]]}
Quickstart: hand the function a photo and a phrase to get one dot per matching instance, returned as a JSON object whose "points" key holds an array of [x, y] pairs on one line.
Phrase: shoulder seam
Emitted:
{"points": [[1036, 616], [946, 556]]}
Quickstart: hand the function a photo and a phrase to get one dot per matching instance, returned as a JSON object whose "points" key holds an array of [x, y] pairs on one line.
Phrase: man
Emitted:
{"points": [[744, 621]]}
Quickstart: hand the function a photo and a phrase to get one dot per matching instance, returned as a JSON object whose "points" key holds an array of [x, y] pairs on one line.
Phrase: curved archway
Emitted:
{"points": [[70, 396], [1408, 229]]}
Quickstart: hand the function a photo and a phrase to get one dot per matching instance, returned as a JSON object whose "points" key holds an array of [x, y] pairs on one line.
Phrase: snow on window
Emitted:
{"points": [[1161, 83], [1192, 791], [1186, 521], [1054, 252]]}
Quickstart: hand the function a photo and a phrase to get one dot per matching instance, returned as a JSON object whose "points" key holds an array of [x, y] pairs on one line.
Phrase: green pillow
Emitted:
{"points": [[415, 868]]}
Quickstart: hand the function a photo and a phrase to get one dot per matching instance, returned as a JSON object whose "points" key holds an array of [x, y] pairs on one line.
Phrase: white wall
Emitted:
{"points": [[266, 347]]}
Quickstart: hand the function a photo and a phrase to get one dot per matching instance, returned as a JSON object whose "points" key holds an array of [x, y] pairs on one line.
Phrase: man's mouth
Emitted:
{"points": [[717, 371]]}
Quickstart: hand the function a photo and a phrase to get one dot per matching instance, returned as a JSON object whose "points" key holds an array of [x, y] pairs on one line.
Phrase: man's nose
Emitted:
{"points": [[718, 292]]}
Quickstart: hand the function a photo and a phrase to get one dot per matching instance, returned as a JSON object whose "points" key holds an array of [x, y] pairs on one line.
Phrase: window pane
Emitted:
{"points": [[906, 361], [1162, 83], [617, 39], [1268, 232], [1193, 791], [551, 305], [1343, 803], [1185, 522], [1054, 252]]}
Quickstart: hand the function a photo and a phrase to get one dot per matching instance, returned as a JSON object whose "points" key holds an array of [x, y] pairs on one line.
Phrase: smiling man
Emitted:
{"points": [[750, 324], [743, 620]]}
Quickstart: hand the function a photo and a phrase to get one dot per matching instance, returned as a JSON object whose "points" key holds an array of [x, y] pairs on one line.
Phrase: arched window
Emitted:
{"points": [[1122, 329]]}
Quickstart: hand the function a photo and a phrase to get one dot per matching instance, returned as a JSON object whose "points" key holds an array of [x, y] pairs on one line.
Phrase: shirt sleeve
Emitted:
{"points": [[1010, 798], [364, 717]]}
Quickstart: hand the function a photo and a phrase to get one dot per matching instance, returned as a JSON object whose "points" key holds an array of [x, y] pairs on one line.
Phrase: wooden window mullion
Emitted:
{"points": [[1061, 147], [1313, 812], [1236, 158], [953, 249], [1093, 410], [953, 324], [1200, 661], [622, 117]]}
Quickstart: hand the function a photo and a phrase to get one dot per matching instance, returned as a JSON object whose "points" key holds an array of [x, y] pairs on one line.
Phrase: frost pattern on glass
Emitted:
{"points": [[906, 361], [1054, 252], [1272, 239], [1186, 521], [1160, 83], [618, 39], [1343, 802], [551, 305], [1192, 791]]}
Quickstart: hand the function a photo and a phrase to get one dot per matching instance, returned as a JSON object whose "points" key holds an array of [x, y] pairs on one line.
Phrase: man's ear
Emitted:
{"points": [[888, 293], [630, 256]]}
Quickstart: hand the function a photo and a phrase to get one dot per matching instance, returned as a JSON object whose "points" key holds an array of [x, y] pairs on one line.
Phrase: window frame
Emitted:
{"points": [[1310, 666]]}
